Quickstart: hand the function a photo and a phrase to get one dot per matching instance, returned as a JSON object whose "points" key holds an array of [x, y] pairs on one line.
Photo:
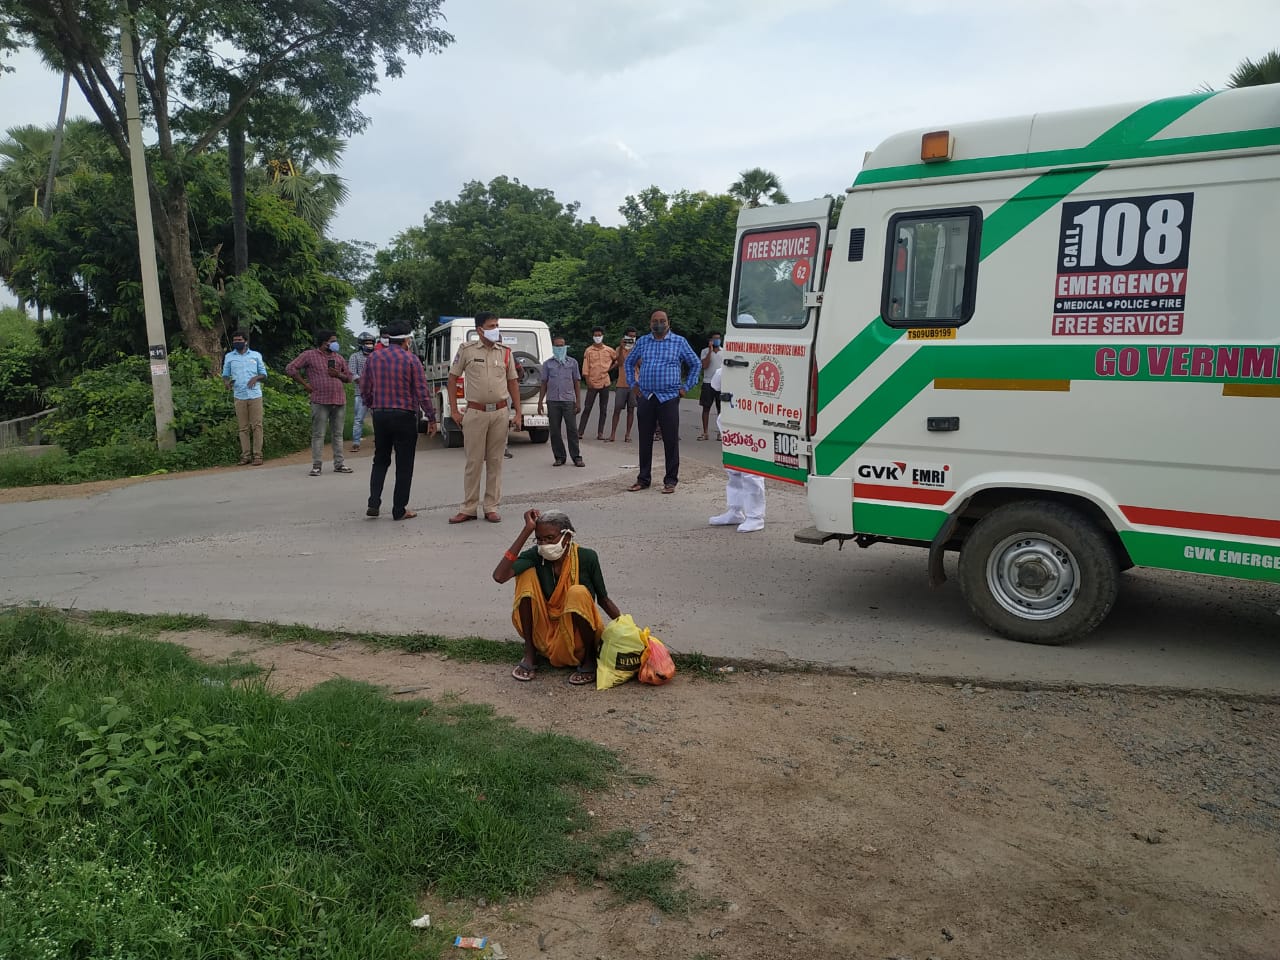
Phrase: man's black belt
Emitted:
{"points": [[391, 410]]}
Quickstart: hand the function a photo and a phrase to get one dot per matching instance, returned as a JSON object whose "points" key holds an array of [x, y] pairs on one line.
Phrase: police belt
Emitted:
{"points": [[488, 407]]}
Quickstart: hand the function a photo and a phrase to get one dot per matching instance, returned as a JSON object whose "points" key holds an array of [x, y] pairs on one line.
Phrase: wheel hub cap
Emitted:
{"points": [[1033, 576]]}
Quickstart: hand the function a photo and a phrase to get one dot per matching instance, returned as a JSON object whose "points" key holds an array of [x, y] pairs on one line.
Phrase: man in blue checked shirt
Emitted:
{"points": [[668, 369], [394, 387], [243, 372]]}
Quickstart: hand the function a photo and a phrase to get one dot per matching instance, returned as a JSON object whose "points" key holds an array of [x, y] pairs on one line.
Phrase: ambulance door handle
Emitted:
{"points": [[736, 363]]}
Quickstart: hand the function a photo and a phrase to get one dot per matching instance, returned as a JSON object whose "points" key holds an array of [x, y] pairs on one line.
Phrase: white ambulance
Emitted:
{"points": [[530, 344], [1051, 343]]}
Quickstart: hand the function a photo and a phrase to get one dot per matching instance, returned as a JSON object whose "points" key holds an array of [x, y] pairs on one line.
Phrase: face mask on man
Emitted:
{"points": [[597, 339], [239, 346], [715, 341], [560, 353], [553, 551], [493, 336], [335, 347], [659, 328], [628, 341]]}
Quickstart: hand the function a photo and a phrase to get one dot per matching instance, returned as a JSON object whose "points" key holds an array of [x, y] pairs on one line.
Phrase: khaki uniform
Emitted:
{"points": [[486, 371]]}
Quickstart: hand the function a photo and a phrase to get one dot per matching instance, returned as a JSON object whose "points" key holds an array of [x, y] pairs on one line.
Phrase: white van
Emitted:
{"points": [[530, 344], [1048, 343]]}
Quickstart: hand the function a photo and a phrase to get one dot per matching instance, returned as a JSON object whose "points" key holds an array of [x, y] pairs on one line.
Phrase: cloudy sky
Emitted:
{"points": [[595, 99]]}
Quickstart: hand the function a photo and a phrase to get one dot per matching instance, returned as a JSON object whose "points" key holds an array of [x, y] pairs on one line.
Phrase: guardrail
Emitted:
{"points": [[23, 431]]}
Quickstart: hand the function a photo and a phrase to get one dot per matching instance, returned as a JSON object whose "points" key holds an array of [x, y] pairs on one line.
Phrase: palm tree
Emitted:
{"points": [[1254, 73], [314, 194], [755, 183]]}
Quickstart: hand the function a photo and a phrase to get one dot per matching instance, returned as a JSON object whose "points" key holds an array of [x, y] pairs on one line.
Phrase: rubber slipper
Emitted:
{"points": [[701, 436], [462, 517], [522, 672], [407, 515], [580, 679]]}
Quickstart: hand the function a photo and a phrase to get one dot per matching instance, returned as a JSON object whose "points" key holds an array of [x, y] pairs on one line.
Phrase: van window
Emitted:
{"points": [[775, 270], [520, 341], [931, 265]]}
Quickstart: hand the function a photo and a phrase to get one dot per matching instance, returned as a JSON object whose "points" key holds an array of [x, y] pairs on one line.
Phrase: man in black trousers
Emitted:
{"points": [[394, 387]]}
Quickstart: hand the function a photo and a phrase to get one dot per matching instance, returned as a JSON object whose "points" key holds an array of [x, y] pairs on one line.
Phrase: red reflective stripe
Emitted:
{"points": [[877, 491], [1207, 522]]}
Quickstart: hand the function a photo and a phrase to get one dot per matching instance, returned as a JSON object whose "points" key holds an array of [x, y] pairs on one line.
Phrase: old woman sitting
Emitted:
{"points": [[558, 587]]}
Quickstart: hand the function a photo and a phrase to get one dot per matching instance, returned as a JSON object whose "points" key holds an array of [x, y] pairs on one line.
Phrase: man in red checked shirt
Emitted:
{"points": [[326, 376], [394, 387]]}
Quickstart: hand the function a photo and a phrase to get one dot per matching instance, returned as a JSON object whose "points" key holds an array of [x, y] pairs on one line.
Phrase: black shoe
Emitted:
{"points": [[579, 462], [558, 463], [506, 454], [371, 512]]}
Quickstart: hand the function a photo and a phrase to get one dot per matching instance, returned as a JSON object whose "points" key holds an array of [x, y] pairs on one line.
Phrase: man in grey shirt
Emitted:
{"points": [[560, 388]]}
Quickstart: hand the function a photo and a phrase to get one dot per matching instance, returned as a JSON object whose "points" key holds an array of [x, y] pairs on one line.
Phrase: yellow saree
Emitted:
{"points": [[553, 634]]}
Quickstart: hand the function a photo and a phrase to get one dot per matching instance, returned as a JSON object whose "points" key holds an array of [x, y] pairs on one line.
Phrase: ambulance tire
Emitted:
{"points": [[539, 434], [1057, 544]]}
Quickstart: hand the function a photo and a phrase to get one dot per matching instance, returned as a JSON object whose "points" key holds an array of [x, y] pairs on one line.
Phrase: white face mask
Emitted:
{"points": [[553, 551], [493, 336], [598, 339]]}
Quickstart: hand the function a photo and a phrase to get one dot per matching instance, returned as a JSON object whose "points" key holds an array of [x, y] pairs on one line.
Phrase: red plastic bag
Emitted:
{"points": [[656, 665]]}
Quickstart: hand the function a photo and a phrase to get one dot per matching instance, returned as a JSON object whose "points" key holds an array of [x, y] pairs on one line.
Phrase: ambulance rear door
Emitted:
{"points": [[779, 262]]}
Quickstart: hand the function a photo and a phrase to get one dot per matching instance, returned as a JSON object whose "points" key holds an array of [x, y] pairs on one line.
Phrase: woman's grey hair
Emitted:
{"points": [[556, 519]]}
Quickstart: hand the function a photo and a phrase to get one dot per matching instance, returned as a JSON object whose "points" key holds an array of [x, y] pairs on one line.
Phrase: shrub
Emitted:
{"points": [[24, 368], [106, 425]]}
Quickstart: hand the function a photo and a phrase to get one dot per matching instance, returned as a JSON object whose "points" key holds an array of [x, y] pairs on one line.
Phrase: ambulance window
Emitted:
{"points": [[931, 264], [774, 271]]}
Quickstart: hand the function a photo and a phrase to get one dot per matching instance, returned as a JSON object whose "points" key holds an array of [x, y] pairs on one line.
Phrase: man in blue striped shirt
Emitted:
{"points": [[668, 369]]}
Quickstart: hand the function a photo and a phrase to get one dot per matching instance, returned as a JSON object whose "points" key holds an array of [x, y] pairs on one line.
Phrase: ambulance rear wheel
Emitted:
{"points": [[1039, 572]]}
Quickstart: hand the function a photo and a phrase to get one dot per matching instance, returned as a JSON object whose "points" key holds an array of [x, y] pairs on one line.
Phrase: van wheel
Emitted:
{"points": [[450, 433], [1039, 572], [539, 434]]}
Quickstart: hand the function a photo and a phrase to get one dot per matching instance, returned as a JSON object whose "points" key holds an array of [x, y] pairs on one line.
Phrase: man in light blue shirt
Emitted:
{"points": [[668, 369], [243, 372]]}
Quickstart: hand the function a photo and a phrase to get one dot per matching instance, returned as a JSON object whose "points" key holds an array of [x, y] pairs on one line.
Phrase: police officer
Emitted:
{"points": [[492, 386]]}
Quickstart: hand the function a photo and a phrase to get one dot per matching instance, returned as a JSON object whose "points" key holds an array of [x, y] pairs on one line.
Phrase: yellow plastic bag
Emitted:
{"points": [[656, 665], [621, 649]]}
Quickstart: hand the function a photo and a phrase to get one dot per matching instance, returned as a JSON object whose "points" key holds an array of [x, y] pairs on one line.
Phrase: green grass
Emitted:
{"points": [[470, 649], [148, 623], [152, 806]]}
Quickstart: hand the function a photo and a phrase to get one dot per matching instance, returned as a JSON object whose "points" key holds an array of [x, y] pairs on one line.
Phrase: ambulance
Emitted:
{"points": [[1049, 343]]}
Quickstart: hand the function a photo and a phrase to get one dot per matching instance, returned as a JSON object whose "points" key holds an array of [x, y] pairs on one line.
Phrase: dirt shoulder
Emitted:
{"points": [[830, 816]]}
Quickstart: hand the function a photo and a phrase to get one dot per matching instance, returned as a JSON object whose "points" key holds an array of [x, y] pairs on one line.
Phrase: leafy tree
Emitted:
{"points": [[757, 183], [1255, 73], [201, 67], [76, 261], [24, 370], [490, 236], [674, 252], [551, 292]]}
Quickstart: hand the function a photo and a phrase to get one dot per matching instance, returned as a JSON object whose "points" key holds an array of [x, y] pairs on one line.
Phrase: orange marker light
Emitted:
{"points": [[935, 146]]}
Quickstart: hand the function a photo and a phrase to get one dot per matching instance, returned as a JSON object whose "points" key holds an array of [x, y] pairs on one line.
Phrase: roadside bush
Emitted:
{"points": [[105, 425], [24, 368]]}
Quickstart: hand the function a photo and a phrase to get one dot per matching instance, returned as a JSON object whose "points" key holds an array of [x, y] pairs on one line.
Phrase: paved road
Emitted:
{"points": [[271, 543]]}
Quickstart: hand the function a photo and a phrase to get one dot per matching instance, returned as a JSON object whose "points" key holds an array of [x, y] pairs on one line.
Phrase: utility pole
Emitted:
{"points": [[161, 385]]}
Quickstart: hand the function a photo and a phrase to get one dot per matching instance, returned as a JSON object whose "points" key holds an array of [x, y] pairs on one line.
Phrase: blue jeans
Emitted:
{"points": [[357, 425]]}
